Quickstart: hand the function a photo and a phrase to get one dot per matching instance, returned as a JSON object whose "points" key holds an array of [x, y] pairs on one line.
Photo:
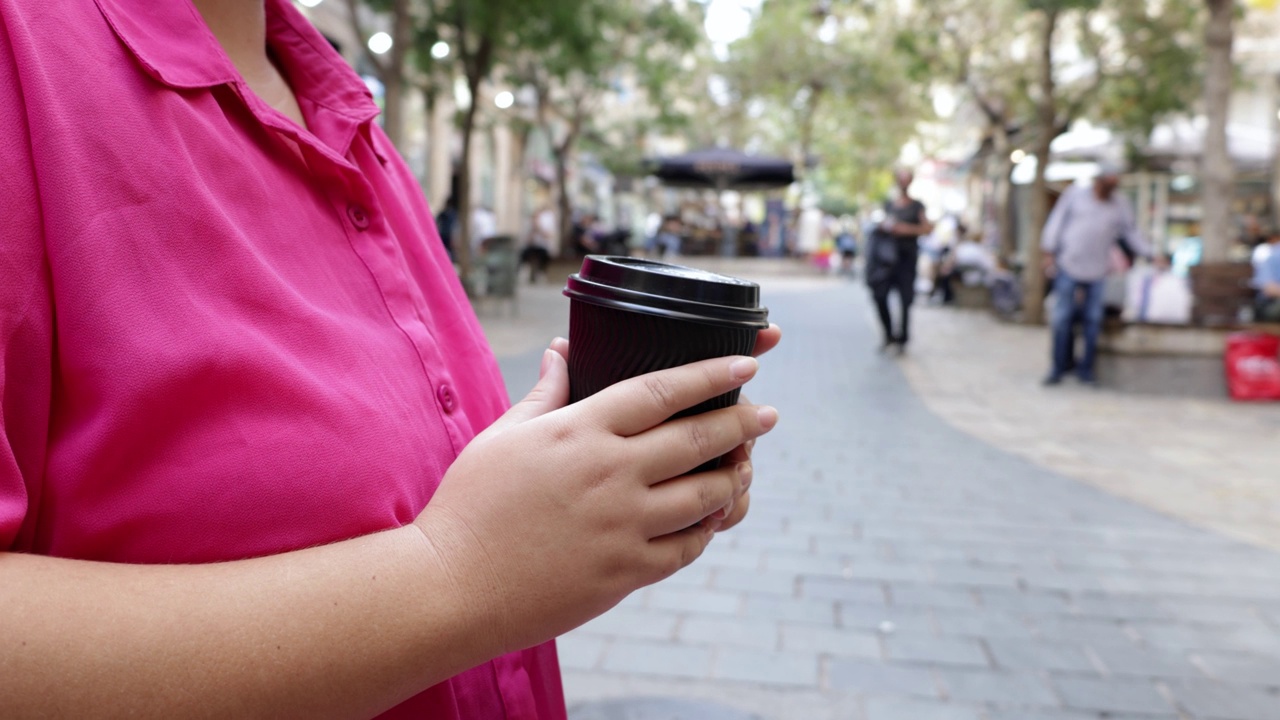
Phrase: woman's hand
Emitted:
{"points": [[555, 513]]}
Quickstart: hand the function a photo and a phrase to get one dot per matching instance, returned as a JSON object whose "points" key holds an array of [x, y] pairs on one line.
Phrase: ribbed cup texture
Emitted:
{"points": [[607, 346]]}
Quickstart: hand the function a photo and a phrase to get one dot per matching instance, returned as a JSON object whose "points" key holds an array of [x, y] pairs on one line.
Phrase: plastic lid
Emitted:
{"points": [[659, 288]]}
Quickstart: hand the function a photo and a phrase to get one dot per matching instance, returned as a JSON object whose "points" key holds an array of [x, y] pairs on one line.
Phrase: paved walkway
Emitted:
{"points": [[1211, 462], [894, 567]]}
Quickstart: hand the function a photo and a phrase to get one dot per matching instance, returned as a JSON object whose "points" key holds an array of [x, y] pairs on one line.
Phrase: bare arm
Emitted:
{"points": [[341, 631]]}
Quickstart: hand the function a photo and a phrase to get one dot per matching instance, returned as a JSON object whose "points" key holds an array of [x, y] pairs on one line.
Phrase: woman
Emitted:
{"points": [[255, 456], [894, 258]]}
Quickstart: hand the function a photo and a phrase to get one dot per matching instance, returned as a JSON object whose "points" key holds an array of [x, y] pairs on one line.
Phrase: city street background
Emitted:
{"points": [[937, 536]]}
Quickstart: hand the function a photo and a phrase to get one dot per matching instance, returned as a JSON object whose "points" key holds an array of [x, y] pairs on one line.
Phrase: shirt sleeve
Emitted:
{"points": [[26, 305], [1051, 238], [1132, 233], [1268, 271]]}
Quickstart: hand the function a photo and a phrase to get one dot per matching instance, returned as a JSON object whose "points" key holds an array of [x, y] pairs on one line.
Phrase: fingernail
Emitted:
{"points": [[744, 475], [546, 363], [743, 368], [720, 514], [768, 417]]}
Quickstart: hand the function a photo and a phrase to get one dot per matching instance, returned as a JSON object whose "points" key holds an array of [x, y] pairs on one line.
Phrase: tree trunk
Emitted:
{"points": [[563, 204], [462, 239], [1047, 119], [1217, 175], [393, 80], [1002, 185]]}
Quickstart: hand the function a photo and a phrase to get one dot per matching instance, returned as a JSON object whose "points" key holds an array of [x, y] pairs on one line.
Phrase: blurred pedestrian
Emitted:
{"points": [[666, 243], [1266, 280], [447, 223], [847, 246], [542, 237], [585, 235], [484, 225], [893, 257], [1080, 243]]}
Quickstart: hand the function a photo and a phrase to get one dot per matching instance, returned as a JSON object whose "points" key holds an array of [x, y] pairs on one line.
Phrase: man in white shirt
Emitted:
{"points": [[1078, 240]]}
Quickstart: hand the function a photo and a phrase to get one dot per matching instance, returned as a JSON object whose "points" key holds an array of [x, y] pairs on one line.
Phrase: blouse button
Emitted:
{"points": [[446, 397], [358, 215]]}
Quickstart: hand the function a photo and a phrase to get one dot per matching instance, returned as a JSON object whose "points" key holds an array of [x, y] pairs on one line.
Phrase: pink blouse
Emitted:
{"points": [[223, 335]]}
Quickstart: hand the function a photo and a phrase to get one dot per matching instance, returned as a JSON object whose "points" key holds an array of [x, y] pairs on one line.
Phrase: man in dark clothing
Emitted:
{"points": [[893, 257], [446, 222]]}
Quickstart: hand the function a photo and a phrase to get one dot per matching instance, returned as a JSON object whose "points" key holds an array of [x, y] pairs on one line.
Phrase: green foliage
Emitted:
{"points": [[1062, 6], [829, 83], [1160, 72]]}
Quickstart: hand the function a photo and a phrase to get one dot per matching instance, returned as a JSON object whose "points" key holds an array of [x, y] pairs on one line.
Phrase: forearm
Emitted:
{"points": [[342, 631], [909, 230]]}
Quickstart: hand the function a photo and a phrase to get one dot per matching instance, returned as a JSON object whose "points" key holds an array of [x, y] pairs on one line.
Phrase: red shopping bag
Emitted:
{"points": [[1253, 366]]}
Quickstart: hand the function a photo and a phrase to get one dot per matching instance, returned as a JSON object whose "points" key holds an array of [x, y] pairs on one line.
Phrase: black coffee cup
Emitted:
{"points": [[631, 316]]}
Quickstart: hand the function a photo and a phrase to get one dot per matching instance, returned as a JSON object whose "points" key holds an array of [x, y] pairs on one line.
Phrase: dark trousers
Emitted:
{"points": [[899, 277], [537, 258], [1065, 312]]}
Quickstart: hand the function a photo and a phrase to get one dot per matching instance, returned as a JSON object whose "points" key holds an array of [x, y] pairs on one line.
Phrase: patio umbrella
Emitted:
{"points": [[723, 169]]}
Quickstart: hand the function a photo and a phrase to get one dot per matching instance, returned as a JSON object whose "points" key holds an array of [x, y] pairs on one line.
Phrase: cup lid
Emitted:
{"points": [[659, 288]]}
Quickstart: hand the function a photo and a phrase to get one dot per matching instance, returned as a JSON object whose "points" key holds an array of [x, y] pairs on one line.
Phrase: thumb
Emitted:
{"points": [[551, 393]]}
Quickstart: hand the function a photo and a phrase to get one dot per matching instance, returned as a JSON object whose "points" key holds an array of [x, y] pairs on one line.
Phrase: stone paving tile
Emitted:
{"points": [[580, 652], [1242, 668], [773, 542], [1220, 701], [637, 624], [805, 564], [998, 688], [981, 623], [903, 709], [935, 650], [677, 599], [878, 678], [885, 620], [793, 610], [1013, 654], [772, 582], [1111, 695], [652, 658], [856, 591], [1040, 602], [915, 595], [729, 632], [1127, 659], [767, 667], [830, 641], [974, 576], [1080, 629]]}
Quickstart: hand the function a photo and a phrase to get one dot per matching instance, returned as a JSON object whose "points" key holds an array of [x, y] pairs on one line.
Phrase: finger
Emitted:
{"points": [[551, 393], [676, 447], [635, 405], [740, 508], [742, 453], [767, 340], [561, 346], [676, 504], [671, 553]]}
